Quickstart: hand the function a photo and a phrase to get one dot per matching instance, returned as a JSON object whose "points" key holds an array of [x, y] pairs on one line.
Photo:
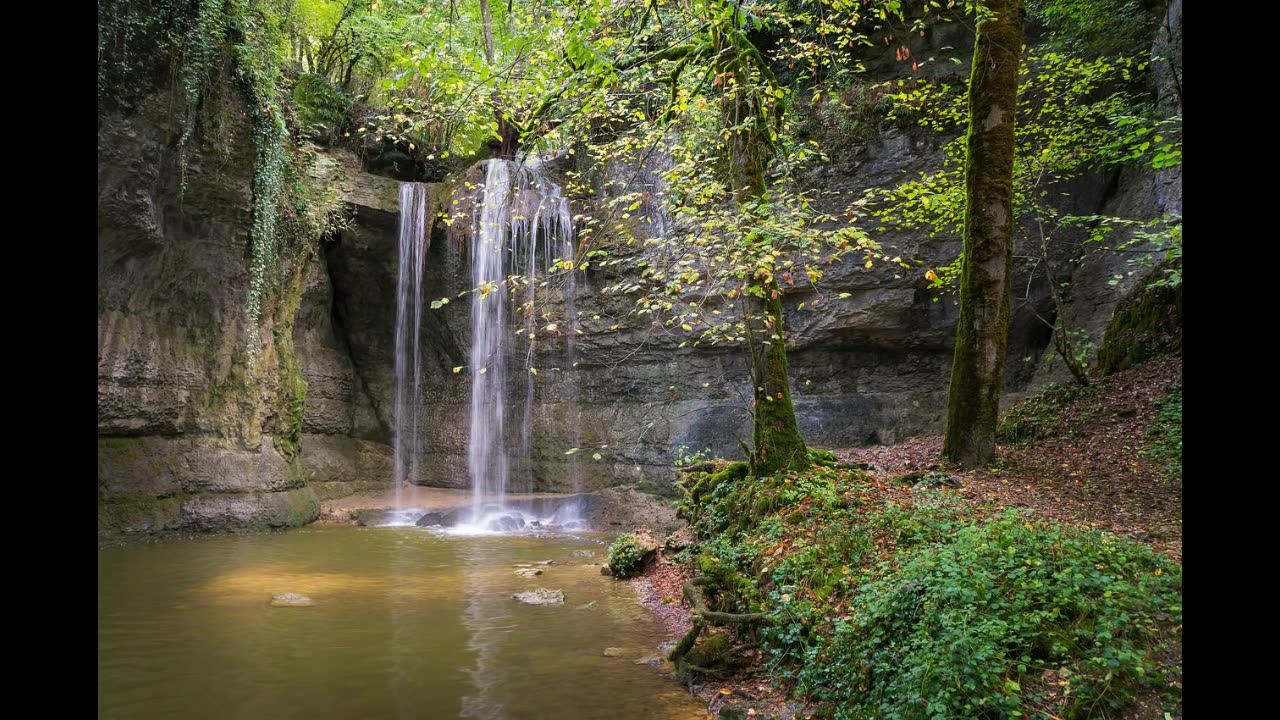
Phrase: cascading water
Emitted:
{"points": [[521, 223], [414, 243]]}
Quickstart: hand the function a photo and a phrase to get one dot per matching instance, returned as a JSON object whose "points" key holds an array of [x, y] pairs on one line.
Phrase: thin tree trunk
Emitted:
{"points": [[487, 21], [973, 404], [779, 447], [778, 444]]}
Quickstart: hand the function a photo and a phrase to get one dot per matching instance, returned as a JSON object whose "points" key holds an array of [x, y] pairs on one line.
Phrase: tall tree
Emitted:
{"points": [[748, 124], [977, 367]]}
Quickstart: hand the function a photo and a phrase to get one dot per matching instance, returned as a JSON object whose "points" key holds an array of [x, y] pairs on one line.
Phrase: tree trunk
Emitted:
{"points": [[977, 367], [779, 447], [487, 21]]}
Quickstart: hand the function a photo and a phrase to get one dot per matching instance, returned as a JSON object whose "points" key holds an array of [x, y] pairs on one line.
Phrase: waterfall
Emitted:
{"points": [[520, 225], [414, 243]]}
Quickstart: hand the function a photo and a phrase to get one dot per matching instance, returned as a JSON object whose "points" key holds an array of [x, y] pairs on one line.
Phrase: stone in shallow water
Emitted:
{"points": [[541, 596], [584, 553], [443, 518], [528, 572], [291, 600], [614, 652]]}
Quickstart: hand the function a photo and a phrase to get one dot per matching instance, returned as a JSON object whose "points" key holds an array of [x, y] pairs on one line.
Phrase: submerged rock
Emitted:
{"points": [[442, 518], [291, 600], [540, 596], [528, 572], [614, 652], [370, 517]]}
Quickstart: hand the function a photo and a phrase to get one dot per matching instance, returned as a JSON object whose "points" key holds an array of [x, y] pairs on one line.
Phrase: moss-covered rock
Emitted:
{"points": [[1147, 323], [631, 553]]}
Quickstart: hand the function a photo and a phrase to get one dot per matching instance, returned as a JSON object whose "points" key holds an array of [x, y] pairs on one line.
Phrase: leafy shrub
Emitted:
{"points": [[627, 554], [322, 106], [1009, 616]]}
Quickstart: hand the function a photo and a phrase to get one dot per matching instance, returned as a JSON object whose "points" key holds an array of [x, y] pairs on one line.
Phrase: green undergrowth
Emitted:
{"points": [[626, 556], [1166, 434], [881, 602], [1041, 416]]}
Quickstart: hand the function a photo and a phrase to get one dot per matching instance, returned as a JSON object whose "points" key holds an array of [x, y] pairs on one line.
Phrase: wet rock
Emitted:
{"points": [[614, 652], [291, 600], [528, 572], [544, 563], [540, 596], [584, 553], [442, 518], [507, 523], [589, 606], [606, 571]]}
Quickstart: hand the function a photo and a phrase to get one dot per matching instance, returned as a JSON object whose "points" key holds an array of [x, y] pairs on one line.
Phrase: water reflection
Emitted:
{"points": [[406, 624]]}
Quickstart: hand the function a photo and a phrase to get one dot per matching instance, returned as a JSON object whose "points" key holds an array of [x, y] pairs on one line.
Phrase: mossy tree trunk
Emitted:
{"points": [[978, 364], [778, 444]]}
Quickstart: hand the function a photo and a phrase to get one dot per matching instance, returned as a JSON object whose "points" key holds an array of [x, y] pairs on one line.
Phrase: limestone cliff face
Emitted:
{"points": [[187, 415], [188, 421]]}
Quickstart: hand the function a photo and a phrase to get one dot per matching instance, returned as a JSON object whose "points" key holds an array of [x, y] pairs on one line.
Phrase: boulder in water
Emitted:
{"points": [[370, 517], [614, 652], [507, 523], [528, 572], [540, 596], [441, 518], [291, 600]]}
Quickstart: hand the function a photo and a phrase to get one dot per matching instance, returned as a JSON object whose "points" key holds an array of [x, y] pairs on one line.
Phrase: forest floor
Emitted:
{"points": [[1092, 467], [1098, 457]]}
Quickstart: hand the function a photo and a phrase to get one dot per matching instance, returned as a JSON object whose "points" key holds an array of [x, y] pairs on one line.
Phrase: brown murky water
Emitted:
{"points": [[406, 624]]}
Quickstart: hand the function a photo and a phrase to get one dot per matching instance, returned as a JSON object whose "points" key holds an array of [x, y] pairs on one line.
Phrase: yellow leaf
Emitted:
{"points": [[931, 276]]}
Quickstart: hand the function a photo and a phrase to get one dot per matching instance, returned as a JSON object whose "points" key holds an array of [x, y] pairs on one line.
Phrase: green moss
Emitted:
{"points": [[779, 447], [139, 515], [1145, 324], [1039, 416], [302, 508], [291, 398], [711, 653], [824, 458], [735, 592], [628, 556], [977, 369]]}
